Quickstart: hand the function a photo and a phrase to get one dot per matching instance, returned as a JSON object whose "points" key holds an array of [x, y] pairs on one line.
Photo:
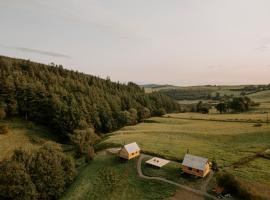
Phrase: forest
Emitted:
{"points": [[65, 100]]}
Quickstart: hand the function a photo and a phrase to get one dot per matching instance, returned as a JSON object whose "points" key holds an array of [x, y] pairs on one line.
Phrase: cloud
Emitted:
{"points": [[41, 52]]}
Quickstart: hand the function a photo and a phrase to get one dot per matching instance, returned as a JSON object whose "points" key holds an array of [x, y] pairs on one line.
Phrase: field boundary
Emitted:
{"points": [[221, 120]]}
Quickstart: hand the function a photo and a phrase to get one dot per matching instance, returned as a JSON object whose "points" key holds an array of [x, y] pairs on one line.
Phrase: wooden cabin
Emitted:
{"points": [[129, 151], [195, 165]]}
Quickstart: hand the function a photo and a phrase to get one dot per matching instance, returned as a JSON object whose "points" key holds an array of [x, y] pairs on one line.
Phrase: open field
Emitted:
{"points": [[242, 117], [22, 134], [226, 142], [108, 177], [172, 171], [263, 96]]}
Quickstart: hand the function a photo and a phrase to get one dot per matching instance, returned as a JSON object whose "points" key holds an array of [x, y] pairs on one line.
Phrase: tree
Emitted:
{"points": [[143, 113], [83, 139], [133, 115], [124, 118], [159, 112], [51, 171], [202, 108], [15, 182], [221, 107]]}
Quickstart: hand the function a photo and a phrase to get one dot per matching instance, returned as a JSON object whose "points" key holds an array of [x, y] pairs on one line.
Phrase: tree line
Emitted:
{"points": [[66, 100]]}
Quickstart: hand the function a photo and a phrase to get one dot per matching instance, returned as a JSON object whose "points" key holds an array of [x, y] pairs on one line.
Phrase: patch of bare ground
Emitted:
{"points": [[185, 195]]}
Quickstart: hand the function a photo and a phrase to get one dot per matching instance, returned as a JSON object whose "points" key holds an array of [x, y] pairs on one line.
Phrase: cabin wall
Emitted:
{"points": [[134, 154], [124, 154], [206, 170], [193, 171]]}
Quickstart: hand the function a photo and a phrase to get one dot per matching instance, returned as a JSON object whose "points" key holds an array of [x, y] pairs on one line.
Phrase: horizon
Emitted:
{"points": [[187, 43]]}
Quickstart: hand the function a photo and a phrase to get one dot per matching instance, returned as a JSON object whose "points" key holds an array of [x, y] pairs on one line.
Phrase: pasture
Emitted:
{"points": [[107, 177], [22, 134], [225, 142]]}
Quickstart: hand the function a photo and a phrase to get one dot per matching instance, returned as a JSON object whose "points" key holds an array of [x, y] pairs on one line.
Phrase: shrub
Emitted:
{"points": [[83, 139], [257, 125], [232, 185], [4, 129], [43, 174], [159, 112]]}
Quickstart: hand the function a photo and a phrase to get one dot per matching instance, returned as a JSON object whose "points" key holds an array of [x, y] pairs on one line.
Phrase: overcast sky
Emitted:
{"points": [[181, 42]]}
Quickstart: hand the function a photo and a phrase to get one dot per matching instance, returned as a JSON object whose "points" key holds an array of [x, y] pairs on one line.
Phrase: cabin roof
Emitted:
{"points": [[132, 147], [158, 162], [195, 162]]}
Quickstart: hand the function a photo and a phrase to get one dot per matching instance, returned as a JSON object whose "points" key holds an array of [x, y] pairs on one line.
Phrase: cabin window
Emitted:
{"points": [[190, 168], [198, 171], [132, 154]]}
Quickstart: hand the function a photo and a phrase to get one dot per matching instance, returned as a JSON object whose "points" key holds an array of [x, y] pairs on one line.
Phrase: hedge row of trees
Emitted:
{"points": [[43, 174], [66, 100], [237, 104]]}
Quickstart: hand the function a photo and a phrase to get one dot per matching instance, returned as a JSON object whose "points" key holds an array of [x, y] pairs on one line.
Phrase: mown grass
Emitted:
{"points": [[121, 183], [226, 142], [263, 96], [241, 117], [258, 169], [171, 171], [22, 134]]}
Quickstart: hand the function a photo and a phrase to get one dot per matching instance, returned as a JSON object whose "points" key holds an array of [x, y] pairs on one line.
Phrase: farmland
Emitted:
{"points": [[226, 138], [110, 178]]}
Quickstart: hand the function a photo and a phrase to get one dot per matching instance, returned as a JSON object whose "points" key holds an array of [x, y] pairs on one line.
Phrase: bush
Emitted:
{"points": [[4, 129], [257, 125], [43, 174], [232, 185], [159, 112], [83, 140]]}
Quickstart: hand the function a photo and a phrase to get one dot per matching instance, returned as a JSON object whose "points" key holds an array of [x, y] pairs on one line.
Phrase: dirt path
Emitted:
{"points": [[141, 175], [206, 182]]}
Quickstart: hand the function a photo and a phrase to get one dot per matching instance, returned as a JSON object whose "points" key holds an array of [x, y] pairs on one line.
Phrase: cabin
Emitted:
{"points": [[195, 165], [129, 151]]}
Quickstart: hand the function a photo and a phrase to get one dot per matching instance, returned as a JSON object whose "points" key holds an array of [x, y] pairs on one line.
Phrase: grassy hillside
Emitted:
{"points": [[226, 142], [193, 94], [263, 96], [22, 134], [93, 182]]}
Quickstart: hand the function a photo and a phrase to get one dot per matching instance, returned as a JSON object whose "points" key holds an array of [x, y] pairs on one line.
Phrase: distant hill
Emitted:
{"points": [[205, 91], [156, 86], [65, 100]]}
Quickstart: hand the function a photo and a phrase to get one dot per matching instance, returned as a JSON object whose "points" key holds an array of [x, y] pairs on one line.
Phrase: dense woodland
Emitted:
{"points": [[188, 94], [66, 100]]}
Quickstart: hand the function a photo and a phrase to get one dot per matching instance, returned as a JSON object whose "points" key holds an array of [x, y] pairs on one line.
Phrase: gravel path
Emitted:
{"points": [[141, 175]]}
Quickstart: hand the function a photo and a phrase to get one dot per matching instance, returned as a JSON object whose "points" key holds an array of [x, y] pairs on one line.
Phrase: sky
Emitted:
{"points": [[180, 42]]}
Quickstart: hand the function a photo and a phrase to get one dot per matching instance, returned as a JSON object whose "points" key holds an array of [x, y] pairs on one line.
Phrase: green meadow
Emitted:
{"points": [[107, 177], [226, 138]]}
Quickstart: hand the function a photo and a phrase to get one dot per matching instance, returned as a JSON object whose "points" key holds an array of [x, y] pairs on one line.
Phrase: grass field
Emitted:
{"points": [[226, 142], [107, 177], [172, 171], [22, 134], [242, 117]]}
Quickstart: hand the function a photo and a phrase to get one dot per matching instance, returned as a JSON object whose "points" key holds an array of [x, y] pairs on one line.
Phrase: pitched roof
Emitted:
{"points": [[195, 162], [132, 147]]}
